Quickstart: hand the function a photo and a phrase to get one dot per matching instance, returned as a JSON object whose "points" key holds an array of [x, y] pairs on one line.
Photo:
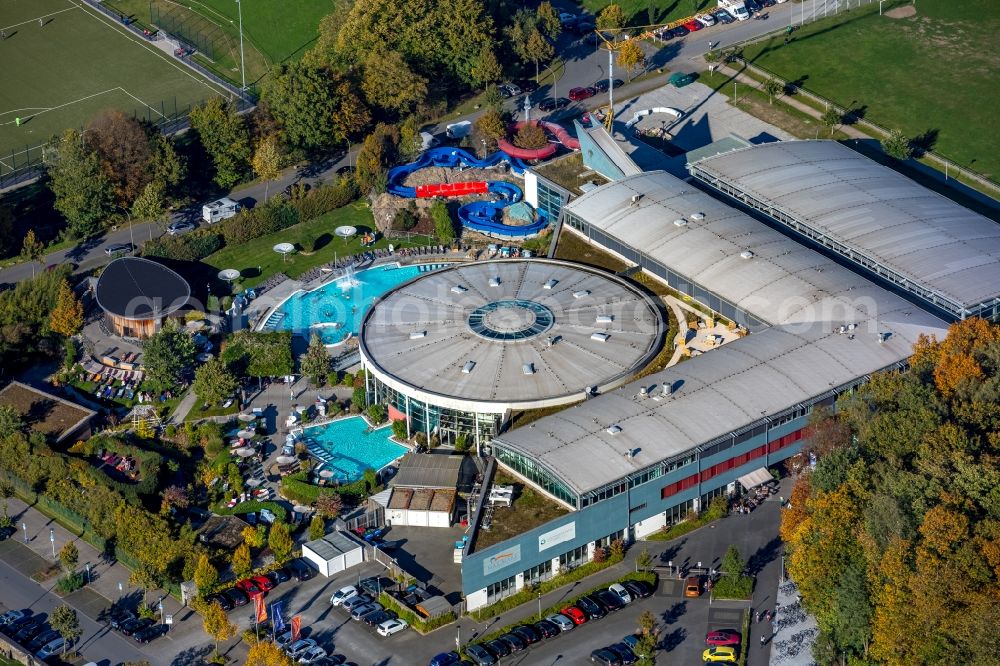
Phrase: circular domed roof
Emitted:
{"points": [[511, 334], [137, 289]]}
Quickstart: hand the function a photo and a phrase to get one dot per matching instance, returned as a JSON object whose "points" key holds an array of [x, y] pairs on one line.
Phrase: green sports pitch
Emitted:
{"points": [[61, 62]]}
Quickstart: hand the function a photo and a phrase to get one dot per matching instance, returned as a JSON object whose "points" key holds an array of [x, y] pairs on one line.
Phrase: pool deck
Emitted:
{"points": [[324, 460]]}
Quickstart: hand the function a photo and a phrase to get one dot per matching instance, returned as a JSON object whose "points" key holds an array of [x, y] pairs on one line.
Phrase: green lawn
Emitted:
{"points": [[259, 252], [937, 73], [647, 12], [80, 62]]}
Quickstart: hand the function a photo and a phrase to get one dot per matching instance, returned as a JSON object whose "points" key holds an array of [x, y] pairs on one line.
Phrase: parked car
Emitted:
{"points": [[681, 31], [249, 587], [527, 85], [150, 633], [624, 653], [706, 20], [581, 93], [722, 16], [119, 248], [42, 639], [359, 612], [299, 570], [498, 647], [343, 594], [722, 637], [609, 600], [52, 648], [680, 79], [575, 614], [11, 616], [390, 627], [621, 592], [548, 629], [567, 19], [480, 655], [515, 642], [278, 576], [283, 639], [632, 641], [551, 104], [29, 630], [238, 597], [593, 609], [299, 647], [526, 634], [312, 655], [15, 625], [378, 617], [584, 26], [753, 6], [264, 583], [357, 600], [722, 653], [692, 588], [638, 589], [602, 85], [133, 626], [120, 616], [606, 657], [179, 228]]}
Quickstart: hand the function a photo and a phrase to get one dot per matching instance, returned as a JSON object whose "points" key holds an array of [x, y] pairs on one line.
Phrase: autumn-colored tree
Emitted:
{"points": [[611, 17], [206, 576], [280, 541], [538, 49], [32, 250], [490, 127], [329, 505], [216, 624], [125, 148], [255, 537], [487, 68], [631, 56], [548, 20], [69, 556], [390, 84], [266, 161], [266, 653], [531, 135], [317, 528], [67, 316], [240, 562], [174, 497], [825, 432]]}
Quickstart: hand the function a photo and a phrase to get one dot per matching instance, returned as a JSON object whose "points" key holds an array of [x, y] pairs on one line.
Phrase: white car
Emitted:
{"points": [[561, 621], [706, 20], [299, 647], [51, 649], [390, 627], [343, 594], [621, 593], [11, 616], [312, 655]]}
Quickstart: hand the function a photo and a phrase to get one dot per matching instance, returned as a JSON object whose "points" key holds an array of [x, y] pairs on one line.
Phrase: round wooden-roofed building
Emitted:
{"points": [[138, 295]]}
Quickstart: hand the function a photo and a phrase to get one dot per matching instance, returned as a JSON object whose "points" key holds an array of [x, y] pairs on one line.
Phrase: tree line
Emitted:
{"points": [[894, 538]]}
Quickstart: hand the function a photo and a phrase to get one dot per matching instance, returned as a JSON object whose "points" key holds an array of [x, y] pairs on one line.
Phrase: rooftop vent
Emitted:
{"points": [[459, 289], [636, 198], [467, 368], [550, 284], [605, 319], [697, 217], [680, 222], [643, 392], [600, 337], [581, 293], [746, 254], [528, 368], [416, 335], [614, 430], [495, 281]]}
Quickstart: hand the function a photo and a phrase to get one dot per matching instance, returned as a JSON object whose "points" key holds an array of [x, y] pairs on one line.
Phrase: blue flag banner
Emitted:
{"points": [[276, 619]]}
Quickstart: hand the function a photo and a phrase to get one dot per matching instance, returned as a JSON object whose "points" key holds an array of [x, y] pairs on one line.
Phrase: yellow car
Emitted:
{"points": [[722, 653]]}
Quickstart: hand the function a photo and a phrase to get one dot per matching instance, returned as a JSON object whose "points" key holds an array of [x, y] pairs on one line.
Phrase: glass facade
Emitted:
{"points": [[447, 424], [501, 590], [539, 573], [535, 473], [551, 198], [573, 558]]}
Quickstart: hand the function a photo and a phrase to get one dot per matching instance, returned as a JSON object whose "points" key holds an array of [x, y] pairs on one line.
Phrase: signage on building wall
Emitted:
{"points": [[557, 536], [502, 559]]}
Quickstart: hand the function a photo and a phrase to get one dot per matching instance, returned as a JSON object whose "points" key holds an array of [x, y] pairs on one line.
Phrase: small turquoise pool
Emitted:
{"points": [[334, 310], [348, 447]]}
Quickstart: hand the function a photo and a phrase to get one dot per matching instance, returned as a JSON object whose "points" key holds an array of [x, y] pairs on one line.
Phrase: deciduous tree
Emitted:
{"points": [[226, 139], [83, 193], [280, 541], [206, 576], [548, 20], [390, 84], [127, 150], [486, 69], [530, 135], [167, 355], [538, 49], [329, 504], [897, 145], [151, 202], [65, 621], [831, 118], [444, 226], [266, 160], [315, 363], [216, 624], [611, 17], [67, 316], [213, 383], [773, 87], [69, 556], [631, 56], [240, 562], [317, 528], [266, 653], [10, 421], [32, 249]]}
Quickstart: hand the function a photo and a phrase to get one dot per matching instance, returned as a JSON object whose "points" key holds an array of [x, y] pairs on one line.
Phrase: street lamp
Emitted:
{"points": [[52, 540], [539, 606], [24, 526], [131, 239], [87, 565], [243, 69]]}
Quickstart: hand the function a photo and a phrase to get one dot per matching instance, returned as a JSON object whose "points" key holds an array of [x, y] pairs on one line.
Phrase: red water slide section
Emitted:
{"points": [[560, 134], [452, 189]]}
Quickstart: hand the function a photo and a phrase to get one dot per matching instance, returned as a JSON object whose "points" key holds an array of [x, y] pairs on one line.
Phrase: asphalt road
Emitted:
{"points": [[98, 642]]}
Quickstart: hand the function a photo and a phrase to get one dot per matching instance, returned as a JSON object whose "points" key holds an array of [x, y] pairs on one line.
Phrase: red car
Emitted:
{"points": [[575, 614], [693, 25], [250, 587], [576, 94], [722, 637], [264, 583]]}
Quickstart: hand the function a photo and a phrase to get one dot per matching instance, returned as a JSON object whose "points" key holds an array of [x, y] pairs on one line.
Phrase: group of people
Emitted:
{"points": [[767, 616]]}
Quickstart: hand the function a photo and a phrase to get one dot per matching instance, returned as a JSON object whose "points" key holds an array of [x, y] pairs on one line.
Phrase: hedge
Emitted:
{"points": [[192, 246], [296, 488], [253, 506]]}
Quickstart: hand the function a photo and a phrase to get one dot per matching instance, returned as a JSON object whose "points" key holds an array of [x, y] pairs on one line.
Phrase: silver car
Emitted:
{"points": [[299, 647], [561, 621]]}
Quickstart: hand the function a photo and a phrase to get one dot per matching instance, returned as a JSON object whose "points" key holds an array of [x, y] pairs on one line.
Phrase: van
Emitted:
{"points": [[692, 588], [459, 130], [219, 210], [53, 648]]}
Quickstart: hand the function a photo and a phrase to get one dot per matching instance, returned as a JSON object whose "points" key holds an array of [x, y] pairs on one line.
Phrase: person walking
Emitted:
{"points": [[763, 639]]}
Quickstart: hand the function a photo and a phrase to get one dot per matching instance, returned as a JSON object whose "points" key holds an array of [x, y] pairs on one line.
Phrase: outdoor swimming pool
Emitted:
{"points": [[334, 310], [348, 448]]}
